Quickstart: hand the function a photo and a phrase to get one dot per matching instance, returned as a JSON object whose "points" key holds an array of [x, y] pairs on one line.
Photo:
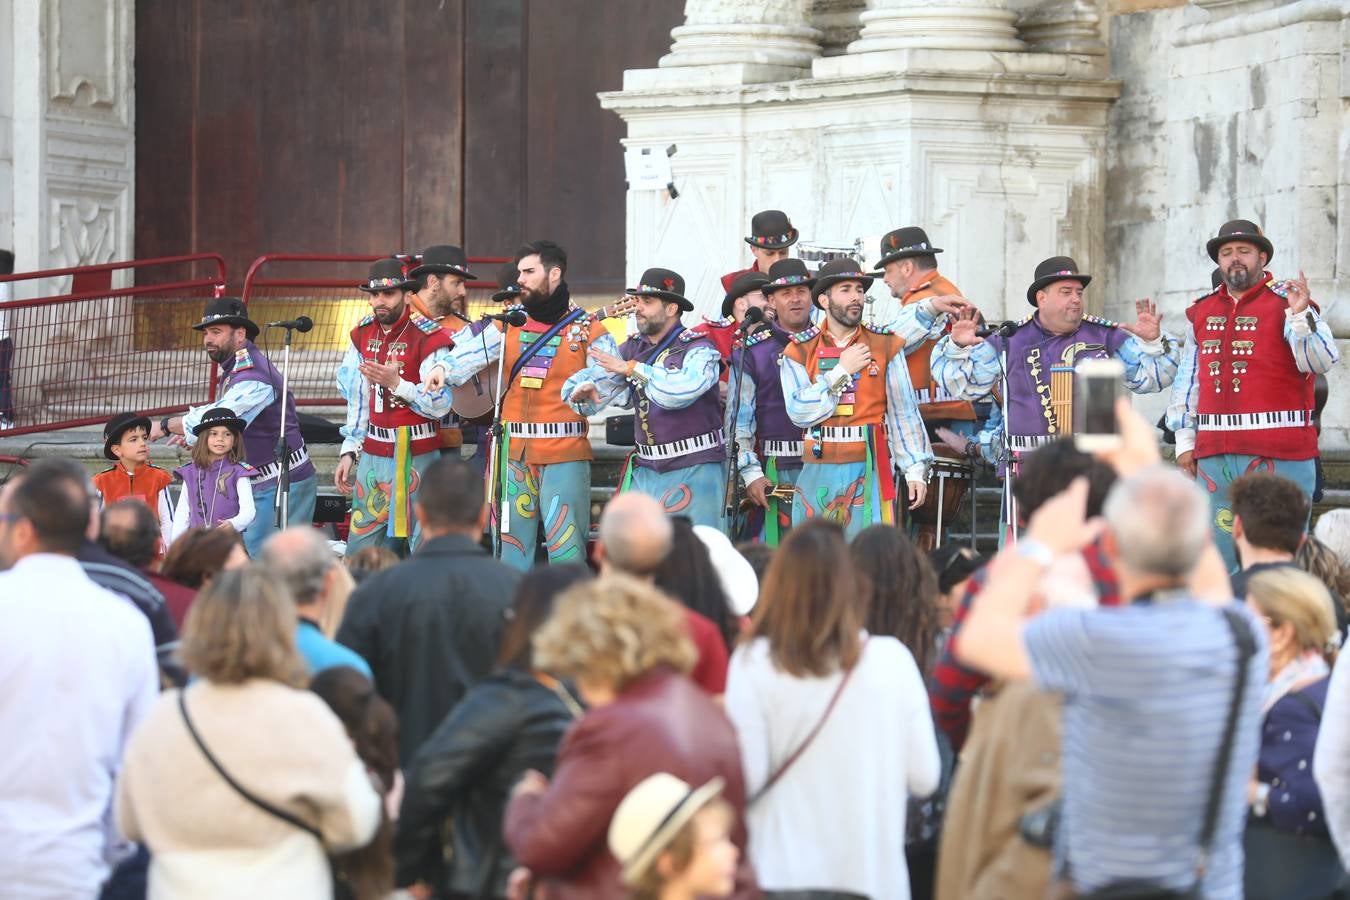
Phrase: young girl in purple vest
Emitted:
{"points": [[216, 489]]}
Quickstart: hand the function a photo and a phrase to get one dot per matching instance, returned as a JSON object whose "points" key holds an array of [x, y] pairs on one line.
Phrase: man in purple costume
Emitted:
{"points": [[251, 386]]}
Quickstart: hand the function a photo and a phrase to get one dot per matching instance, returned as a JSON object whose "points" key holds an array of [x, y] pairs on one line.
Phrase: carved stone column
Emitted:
{"points": [[775, 33], [1063, 26], [839, 21], [941, 25]]}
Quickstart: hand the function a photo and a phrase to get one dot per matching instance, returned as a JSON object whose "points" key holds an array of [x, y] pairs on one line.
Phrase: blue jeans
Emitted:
{"points": [[299, 509]]}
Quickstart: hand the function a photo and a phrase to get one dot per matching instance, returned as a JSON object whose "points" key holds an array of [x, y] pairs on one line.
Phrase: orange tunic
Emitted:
{"points": [[862, 404], [146, 484], [920, 373]]}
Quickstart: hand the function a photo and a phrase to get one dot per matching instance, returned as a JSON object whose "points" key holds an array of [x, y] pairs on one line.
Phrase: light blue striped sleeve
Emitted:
{"points": [[352, 387], [1310, 340], [810, 403], [431, 404], [614, 389], [916, 323], [966, 373], [246, 399], [990, 438], [907, 434], [1180, 416], [745, 427], [679, 388], [472, 352], [1150, 366]]}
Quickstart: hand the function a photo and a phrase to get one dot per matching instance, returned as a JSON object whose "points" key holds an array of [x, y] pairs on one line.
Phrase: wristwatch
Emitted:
{"points": [[1034, 550]]}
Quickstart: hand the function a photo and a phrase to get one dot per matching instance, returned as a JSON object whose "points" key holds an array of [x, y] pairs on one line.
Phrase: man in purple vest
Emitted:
{"points": [[251, 386], [668, 375]]}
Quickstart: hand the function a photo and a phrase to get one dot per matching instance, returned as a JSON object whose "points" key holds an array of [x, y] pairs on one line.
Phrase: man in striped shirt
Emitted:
{"points": [[1147, 688]]}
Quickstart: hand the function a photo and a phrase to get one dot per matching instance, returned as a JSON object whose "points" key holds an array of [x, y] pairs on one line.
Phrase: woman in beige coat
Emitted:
{"points": [[279, 744]]}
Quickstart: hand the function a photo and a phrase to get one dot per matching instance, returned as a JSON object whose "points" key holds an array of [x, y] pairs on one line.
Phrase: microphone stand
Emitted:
{"points": [[500, 515], [733, 490], [283, 497]]}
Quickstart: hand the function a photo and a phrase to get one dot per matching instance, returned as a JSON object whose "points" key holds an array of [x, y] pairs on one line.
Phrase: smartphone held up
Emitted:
{"points": [[1097, 385]]}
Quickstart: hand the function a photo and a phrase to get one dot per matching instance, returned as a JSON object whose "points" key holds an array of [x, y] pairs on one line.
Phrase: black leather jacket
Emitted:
{"points": [[505, 724]]}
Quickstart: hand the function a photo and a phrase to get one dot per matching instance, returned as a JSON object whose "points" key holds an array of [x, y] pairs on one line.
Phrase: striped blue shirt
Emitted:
{"points": [[1147, 690]]}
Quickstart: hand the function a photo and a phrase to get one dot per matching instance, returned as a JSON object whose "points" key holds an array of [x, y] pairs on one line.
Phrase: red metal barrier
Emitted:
{"points": [[75, 350], [286, 285]]}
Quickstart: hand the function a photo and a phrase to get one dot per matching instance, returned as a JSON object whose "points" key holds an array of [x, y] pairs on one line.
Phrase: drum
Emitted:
{"points": [[948, 485], [815, 253]]}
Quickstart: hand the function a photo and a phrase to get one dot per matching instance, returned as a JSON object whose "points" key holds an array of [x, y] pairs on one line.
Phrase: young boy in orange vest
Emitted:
{"points": [[126, 441]]}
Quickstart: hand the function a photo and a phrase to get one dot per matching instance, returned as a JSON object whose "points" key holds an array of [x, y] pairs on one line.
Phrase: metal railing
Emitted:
{"points": [[76, 350], [286, 285]]}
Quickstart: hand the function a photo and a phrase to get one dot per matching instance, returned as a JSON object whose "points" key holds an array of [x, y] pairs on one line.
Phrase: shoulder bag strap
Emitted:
{"points": [[801, 748], [239, 788], [1246, 648]]}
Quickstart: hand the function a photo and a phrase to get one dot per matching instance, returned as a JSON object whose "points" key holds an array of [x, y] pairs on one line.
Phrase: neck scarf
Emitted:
{"points": [[1298, 671], [553, 308]]}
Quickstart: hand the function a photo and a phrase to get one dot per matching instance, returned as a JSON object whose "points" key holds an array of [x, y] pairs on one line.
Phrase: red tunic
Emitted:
{"points": [[1251, 399], [728, 278], [407, 342]]}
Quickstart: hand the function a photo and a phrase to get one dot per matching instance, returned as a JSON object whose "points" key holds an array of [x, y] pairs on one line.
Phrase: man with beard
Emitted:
{"points": [[392, 430], [771, 237], [768, 443], [251, 387], [668, 375], [847, 384], [1243, 400], [743, 294], [1055, 337], [544, 470], [441, 294]]}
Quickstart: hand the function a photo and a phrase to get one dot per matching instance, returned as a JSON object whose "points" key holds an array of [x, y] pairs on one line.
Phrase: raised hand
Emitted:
{"points": [[1147, 324], [964, 326], [386, 376], [609, 362], [585, 393], [957, 442], [1298, 296]]}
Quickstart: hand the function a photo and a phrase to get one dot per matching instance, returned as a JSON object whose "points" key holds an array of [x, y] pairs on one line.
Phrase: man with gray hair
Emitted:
{"points": [[1162, 697], [303, 560], [635, 535]]}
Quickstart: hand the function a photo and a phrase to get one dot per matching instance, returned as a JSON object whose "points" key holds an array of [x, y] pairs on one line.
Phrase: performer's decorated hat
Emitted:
{"points": [[219, 415], [119, 425], [787, 273], [835, 271], [442, 259], [1056, 268], [772, 230], [386, 274], [663, 283], [1240, 230], [744, 284], [508, 288], [227, 311], [903, 243]]}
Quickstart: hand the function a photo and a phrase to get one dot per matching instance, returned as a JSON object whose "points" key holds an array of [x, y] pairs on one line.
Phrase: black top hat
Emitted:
{"points": [[1216, 278], [119, 425], [744, 284], [837, 270], [787, 273], [771, 230], [509, 288], [220, 415], [442, 259], [903, 243], [386, 274], [227, 311], [1056, 268], [1240, 230], [665, 284]]}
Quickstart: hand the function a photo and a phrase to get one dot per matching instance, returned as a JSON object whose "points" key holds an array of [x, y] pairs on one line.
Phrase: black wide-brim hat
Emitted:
{"points": [[787, 273], [386, 274], [220, 415], [903, 243], [744, 284], [1056, 268], [507, 286], [443, 259], [119, 425], [772, 230], [835, 271], [1240, 230], [227, 311], [663, 283]]}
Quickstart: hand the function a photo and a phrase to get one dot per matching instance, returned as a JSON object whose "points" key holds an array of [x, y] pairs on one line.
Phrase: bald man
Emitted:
{"points": [[634, 535], [305, 562]]}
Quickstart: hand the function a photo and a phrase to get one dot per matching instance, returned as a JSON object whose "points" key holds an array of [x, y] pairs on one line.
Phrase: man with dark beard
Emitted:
{"points": [[668, 375], [392, 432], [543, 472], [1243, 400], [251, 387], [441, 294]]}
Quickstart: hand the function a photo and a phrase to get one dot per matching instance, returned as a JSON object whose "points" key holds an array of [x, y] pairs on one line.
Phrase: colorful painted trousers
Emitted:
{"points": [[1216, 473], [851, 494], [556, 496], [382, 500], [696, 492]]}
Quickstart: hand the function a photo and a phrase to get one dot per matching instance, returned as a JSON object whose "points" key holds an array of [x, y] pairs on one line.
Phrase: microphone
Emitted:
{"points": [[752, 315], [1002, 329], [514, 317], [302, 324]]}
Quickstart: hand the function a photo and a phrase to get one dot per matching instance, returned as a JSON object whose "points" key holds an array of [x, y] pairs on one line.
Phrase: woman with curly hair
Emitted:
{"points": [[627, 648]]}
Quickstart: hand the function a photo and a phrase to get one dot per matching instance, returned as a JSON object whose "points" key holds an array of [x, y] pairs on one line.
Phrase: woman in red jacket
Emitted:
{"points": [[627, 647]]}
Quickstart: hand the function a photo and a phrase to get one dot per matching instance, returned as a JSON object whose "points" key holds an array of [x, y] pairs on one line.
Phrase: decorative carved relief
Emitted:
{"points": [[83, 41], [83, 229]]}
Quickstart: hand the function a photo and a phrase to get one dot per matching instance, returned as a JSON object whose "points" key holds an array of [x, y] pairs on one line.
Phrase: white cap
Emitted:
{"points": [[649, 817], [734, 571]]}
